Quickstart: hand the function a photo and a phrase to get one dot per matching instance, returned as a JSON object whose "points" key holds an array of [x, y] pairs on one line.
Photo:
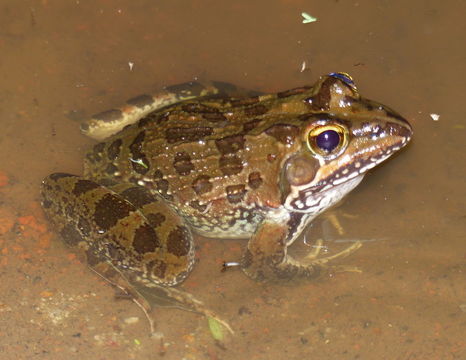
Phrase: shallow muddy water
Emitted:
{"points": [[62, 61]]}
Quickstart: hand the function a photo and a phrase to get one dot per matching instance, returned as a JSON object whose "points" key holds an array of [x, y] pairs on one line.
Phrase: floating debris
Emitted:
{"points": [[308, 18], [435, 117], [216, 329]]}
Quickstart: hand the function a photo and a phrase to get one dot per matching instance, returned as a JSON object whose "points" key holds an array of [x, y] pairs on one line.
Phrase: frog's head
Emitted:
{"points": [[344, 135]]}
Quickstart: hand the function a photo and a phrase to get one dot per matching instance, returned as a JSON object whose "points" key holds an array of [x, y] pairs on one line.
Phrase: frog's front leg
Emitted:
{"points": [[266, 255]]}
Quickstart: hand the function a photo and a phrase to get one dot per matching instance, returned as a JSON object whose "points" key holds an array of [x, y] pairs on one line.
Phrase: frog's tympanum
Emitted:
{"points": [[195, 159]]}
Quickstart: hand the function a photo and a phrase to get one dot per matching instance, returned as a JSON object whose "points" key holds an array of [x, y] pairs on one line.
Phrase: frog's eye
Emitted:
{"points": [[327, 140]]}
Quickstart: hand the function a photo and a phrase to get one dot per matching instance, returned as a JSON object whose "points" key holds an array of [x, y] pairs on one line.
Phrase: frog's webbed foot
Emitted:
{"points": [[266, 257]]}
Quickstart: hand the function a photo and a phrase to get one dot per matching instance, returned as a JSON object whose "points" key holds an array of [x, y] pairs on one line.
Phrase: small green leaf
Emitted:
{"points": [[216, 329]]}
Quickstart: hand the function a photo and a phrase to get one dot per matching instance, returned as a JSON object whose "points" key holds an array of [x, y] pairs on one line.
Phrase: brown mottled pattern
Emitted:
{"points": [[97, 151], [145, 239], [286, 134], [83, 186], [152, 119], [236, 193], [248, 126], [178, 241], [138, 196], [177, 134], [230, 164], [196, 205], [255, 180], [111, 169], [255, 110], [162, 186], [230, 144], [156, 219], [157, 268], [198, 108], [70, 235], [215, 117], [202, 184], [139, 161], [114, 149], [109, 210], [244, 102], [182, 163]]}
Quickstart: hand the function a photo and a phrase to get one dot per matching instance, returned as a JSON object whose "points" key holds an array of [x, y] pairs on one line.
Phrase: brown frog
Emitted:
{"points": [[193, 159]]}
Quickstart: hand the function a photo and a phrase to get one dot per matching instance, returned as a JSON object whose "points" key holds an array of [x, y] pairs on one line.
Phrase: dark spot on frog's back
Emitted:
{"points": [[230, 144], [83, 186], [255, 180], [145, 239], [182, 163], [188, 134], [138, 196], [195, 204], [209, 113], [109, 210], [236, 193], [114, 149], [139, 161], [137, 143], [230, 165], [179, 241], [202, 185]]}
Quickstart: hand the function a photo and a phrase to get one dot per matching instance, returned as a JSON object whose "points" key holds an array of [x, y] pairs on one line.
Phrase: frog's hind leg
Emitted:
{"points": [[102, 125], [128, 236]]}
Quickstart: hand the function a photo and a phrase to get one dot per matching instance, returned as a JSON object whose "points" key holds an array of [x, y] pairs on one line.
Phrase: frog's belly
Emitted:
{"points": [[240, 224]]}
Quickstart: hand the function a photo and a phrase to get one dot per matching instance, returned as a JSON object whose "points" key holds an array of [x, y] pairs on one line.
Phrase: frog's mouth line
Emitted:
{"points": [[310, 201]]}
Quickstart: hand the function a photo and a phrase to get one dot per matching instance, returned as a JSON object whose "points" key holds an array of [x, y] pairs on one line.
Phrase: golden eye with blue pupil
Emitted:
{"points": [[327, 140]]}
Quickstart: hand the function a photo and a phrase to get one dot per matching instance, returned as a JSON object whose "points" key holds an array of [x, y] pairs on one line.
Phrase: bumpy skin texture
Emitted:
{"points": [[255, 167]]}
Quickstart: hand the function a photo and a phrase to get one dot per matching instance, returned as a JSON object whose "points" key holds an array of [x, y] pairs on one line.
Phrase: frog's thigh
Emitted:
{"points": [[126, 227]]}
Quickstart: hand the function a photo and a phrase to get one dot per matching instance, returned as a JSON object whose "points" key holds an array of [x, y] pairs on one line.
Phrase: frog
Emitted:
{"points": [[199, 159]]}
